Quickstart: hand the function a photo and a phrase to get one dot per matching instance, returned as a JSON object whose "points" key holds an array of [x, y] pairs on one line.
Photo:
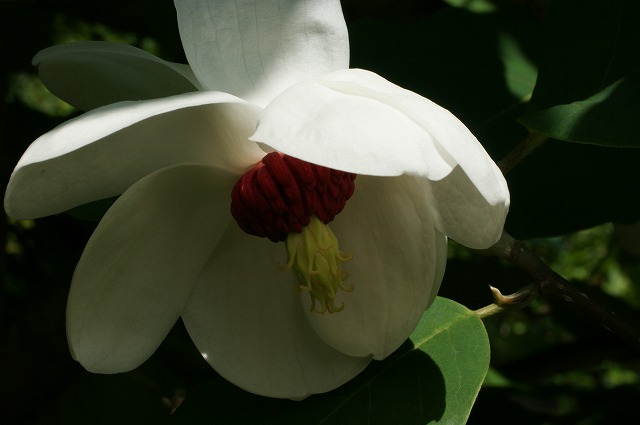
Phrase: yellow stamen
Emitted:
{"points": [[315, 257]]}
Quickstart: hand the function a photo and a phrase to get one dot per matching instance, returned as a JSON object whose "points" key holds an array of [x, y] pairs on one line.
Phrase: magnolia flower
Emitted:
{"points": [[267, 117]]}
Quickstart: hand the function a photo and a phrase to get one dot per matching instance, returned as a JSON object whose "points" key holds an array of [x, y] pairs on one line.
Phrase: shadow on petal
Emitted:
{"points": [[245, 317], [408, 388]]}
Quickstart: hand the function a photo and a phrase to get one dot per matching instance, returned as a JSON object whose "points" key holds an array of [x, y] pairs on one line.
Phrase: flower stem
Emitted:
{"points": [[554, 286], [501, 302]]}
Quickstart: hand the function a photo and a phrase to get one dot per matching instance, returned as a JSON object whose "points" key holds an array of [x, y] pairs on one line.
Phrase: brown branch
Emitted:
{"points": [[524, 148], [558, 288]]}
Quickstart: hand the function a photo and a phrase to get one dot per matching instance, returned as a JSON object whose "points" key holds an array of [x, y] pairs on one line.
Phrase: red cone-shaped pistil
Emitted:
{"points": [[279, 195]]}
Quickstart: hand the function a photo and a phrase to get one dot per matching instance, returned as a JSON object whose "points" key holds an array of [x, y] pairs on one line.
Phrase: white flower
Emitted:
{"points": [[172, 140]]}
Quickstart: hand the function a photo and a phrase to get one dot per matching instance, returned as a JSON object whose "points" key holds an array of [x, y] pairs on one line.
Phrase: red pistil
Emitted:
{"points": [[279, 195]]}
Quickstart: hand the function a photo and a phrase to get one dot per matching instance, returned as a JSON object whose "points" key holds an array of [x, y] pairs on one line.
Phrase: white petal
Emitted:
{"points": [[395, 269], [101, 153], [92, 74], [246, 319], [464, 214], [255, 49], [138, 269], [356, 121]]}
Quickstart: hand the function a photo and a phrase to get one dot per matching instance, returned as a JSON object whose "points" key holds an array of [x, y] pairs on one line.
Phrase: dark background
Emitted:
{"points": [[549, 364]]}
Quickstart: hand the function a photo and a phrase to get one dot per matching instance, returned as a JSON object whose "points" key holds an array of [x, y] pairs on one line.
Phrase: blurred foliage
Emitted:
{"points": [[480, 59], [29, 90], [27, 87]]}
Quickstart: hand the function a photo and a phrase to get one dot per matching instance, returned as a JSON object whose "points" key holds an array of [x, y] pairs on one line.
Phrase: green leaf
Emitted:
{"points": [[590, 56], [589, 46], [456, 340], [608, 118], [433, 378]]}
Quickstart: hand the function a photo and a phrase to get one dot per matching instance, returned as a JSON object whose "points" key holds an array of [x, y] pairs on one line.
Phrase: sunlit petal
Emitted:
{"points": [[388, 229], [245, 317], [356, 121], [255, 49], [138, 269], [101, 153], [91, 74]]}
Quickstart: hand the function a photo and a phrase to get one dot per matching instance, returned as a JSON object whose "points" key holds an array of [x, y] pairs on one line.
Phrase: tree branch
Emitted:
{"points": [[558, 288], [528, 145]]}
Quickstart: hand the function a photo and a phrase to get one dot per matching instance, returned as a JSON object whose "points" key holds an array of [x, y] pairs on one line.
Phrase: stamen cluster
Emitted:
{"points": [[280, 194]]}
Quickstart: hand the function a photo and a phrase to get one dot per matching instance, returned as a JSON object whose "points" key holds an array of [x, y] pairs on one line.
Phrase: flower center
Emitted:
{"points": [[286, 199]]}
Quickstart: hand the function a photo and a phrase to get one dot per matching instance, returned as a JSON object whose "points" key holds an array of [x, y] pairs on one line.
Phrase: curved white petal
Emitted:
{"points": [[138, 269], [245, 317], [395, 270], [256, 49], [463, 213], [356, 121], [95, 73], [101, 153]]}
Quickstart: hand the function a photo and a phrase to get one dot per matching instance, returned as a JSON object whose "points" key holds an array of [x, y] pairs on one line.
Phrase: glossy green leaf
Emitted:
{"points": [[456, 340], [433, 378], [590, 56], [608, 118], [589, 46]]}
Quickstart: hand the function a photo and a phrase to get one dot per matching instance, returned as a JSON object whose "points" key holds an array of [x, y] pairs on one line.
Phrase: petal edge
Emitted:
{"points": [[137, 270]]}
